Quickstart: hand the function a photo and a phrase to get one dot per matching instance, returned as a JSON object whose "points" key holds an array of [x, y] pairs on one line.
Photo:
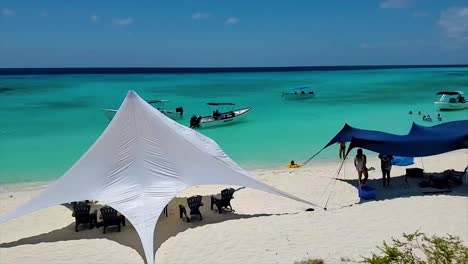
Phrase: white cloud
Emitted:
{"points": [[232, 21], [122, 21], [394, 4], [199, 16], [43, 13], [8, 12], [454, 23], [94, 18]]}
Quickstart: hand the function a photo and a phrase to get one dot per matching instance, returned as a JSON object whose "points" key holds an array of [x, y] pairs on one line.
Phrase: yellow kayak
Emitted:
{"points": [[293, 166]]}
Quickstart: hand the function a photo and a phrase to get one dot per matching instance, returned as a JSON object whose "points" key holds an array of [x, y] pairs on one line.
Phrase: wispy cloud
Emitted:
{"points": [[7, 12], [200, 15], [454, 23], [94, 18], [43, 13], [395, 4], [122, 21], [232, 21]]}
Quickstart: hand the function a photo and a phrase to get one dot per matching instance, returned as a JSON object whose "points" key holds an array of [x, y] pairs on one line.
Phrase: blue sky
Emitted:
{"points": [[212, 33]]}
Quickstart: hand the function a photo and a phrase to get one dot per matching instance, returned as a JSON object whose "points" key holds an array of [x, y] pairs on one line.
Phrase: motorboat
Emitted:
{"points": [[219, 118], [451, 101], [299, 93], [177, 113]]}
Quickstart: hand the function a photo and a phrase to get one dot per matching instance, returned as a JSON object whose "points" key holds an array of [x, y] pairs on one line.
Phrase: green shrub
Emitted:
{"points": [[310, 261], [417, 248]]}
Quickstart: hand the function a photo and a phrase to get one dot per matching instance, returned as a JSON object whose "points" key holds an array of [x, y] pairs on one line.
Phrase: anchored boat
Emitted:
{"points": [[219, 118], [451, 101], [177, 113]]}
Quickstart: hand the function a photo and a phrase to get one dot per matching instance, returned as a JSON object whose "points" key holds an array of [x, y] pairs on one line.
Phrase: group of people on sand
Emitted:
{"points": [[427, 117], [360, 163]]}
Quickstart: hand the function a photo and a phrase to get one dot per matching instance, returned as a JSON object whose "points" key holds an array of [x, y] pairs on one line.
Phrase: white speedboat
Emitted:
{"points": [[451, 101], [177, 113], [299, 93], [219, 118]]}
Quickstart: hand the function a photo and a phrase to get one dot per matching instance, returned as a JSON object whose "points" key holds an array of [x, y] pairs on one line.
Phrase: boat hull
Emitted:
{"points": [[446, 106], [297, 96], [172, 114], [239, 114], [110, 113]]}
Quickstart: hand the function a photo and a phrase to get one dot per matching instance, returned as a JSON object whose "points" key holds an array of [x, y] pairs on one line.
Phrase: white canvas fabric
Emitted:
{"points": [[139, 163]]}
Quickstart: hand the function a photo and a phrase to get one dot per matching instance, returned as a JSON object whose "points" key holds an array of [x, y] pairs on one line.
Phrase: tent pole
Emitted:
{"points": [[334, 183], [307, 161], [422, 163], [311, 158]]}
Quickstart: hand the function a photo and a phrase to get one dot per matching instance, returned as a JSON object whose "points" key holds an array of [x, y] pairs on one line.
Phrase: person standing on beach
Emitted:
{"points": [[360, 163], [342, 150], [386, 166]]}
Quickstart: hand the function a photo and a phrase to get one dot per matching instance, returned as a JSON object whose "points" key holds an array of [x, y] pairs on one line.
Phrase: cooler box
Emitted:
{"points": [[415, 173], [367, 193]]}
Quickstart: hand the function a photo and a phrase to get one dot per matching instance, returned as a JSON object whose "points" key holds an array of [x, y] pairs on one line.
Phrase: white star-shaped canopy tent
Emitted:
{"points": [[138, 165]]}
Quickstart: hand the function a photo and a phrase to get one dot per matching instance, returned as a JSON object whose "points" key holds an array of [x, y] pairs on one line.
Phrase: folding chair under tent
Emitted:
{"points": [[138, 165]]}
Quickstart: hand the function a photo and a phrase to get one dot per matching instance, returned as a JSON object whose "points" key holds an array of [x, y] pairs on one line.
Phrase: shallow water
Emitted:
{"points": [[48, 121]]}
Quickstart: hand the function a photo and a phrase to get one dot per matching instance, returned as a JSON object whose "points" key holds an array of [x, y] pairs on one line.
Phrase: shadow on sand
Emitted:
{"points": [[167, 227], [399, 187]]}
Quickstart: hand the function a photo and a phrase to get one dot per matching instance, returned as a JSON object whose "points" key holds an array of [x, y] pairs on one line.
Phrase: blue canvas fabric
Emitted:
{"points": [[402, 161], [348, 132], [419, 142]]}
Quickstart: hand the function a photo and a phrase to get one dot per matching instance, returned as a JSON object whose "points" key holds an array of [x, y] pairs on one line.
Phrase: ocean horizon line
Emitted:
{"points": [[201, 70]]}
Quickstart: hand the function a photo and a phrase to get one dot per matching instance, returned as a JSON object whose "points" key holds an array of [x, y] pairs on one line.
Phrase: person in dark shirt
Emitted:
{"points": [[386, 166], [342, 149]]}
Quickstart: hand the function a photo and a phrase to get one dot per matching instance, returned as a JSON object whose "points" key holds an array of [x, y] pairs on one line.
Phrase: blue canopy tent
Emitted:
{"points": [[419, 142], [347, 133]]}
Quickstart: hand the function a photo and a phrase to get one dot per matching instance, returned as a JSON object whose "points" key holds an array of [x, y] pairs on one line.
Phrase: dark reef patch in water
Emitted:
{"points": [[82, 102], [4, 90], [457, 74]]}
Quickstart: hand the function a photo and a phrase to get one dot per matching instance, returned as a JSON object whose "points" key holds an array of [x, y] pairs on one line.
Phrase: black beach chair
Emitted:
{"points": [[81, 212], [110, 217], [194, 204], [223, 200]]}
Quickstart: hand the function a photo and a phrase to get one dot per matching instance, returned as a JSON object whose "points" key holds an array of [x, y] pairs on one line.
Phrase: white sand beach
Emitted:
{"points": [[263, 229]]}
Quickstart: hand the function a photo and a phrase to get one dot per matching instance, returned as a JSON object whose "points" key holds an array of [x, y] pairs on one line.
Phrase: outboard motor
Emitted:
{"points": [[195, 121], [180, 110]]}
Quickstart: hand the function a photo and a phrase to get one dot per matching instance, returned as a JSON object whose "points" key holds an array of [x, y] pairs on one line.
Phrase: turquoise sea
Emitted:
{"points": [[48, 121]]}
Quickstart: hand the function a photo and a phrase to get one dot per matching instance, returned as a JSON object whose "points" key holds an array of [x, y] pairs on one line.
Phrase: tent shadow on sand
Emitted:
{"points": [[167, 227], [399, 188]]}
